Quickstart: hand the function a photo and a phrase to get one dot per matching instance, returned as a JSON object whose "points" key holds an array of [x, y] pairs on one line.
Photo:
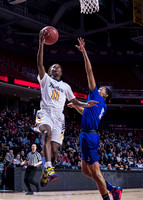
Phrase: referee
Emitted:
{"points": [[33, 160]]}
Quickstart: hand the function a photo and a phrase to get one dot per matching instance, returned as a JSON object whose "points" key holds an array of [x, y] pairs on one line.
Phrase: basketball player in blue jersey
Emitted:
{"points": [[89, 139]]}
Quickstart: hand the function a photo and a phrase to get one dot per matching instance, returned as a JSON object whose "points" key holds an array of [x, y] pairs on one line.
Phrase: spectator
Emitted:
{"points": [[37, 140], [131, 161], [22, 139], [140, 164], [130, 134], [9, 157], [22, 156], [119, 159], [68, 147], [79, 164], [109, 167], [102, 165], [59, 162], [126, 168], [64, 157], [11, 143], [13, 163], [66, 162], [73, 162], [18, 159]]}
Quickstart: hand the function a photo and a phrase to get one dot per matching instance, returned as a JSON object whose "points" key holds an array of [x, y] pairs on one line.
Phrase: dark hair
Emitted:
{"points": [[109, 93]]}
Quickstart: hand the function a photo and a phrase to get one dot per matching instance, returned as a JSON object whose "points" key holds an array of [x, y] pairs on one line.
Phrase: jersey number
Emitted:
{"points": [[55, 95]]}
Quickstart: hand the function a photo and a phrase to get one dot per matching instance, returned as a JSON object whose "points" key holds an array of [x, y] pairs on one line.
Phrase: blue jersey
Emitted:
{"points": [[92, 116]]}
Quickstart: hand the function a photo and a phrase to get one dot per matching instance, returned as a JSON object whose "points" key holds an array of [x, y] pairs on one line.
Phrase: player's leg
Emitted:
{"points": [[48, 170], [56, 141], [85, 169], [97, 176], [57, 135], [89, 144], [44, 124], [55, 146], [46, 133], [115, 191]]}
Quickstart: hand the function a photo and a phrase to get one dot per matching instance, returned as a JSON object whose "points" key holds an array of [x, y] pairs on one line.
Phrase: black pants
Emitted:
{"points": [[29, 175]]}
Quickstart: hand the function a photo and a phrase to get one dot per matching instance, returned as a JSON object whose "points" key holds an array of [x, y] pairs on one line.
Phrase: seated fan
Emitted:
{"points": [[14, 2]]}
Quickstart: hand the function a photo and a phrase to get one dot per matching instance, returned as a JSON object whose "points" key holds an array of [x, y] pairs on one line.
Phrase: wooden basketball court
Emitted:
{"points": [[128, 194]]}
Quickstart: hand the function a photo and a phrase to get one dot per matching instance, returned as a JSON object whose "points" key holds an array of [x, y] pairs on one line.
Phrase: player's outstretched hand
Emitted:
{"points": [[42, 35], [81, 46], [92, 103], [70, 105]]}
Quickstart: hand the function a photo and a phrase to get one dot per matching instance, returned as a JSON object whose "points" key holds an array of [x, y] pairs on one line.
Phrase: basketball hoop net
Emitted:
{"points": [[89, 6]]}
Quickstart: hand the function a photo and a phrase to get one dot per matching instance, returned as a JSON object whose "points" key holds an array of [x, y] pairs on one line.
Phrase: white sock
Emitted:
{"points": [[48, 164]]}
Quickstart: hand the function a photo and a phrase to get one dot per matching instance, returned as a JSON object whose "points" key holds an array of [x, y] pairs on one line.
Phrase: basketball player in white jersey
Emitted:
{"points": [[50, 119]]}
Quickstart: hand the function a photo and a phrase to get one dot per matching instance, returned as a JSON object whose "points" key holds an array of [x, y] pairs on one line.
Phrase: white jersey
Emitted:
{"points": [[54, 93]]}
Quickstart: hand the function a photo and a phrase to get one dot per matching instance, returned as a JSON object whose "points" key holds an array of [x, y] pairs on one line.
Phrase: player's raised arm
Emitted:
{"points": [[88, 67], [41, 69]]}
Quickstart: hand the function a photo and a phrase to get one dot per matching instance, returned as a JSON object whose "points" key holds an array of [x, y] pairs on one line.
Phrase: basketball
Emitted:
{"points": [[52, 37]]}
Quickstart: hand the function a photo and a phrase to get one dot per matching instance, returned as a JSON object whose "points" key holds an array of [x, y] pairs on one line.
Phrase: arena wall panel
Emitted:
{"points": [[75, 180]]}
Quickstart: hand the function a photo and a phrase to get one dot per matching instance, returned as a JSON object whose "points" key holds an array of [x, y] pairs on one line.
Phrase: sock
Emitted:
{"points": [[48, 164], [105, 197], [109, 186]]}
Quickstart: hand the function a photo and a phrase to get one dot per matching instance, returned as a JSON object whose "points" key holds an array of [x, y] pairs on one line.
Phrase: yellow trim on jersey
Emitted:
{"points": [[61, 136], [38, 120]]}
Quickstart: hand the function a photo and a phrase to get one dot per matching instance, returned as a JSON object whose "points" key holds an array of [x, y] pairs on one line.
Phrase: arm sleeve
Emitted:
{"points": [[43, 81], [69, 93]]}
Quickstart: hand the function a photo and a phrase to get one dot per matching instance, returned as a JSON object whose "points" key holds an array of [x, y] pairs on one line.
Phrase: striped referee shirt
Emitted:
{"points": [[33, 158]]}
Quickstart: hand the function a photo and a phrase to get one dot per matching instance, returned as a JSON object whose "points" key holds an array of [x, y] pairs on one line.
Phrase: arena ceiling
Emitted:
{"points": [[112, 26]]}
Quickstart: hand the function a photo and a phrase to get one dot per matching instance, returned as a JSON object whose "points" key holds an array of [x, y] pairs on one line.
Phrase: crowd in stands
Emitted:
{"points": [[117, 152]]}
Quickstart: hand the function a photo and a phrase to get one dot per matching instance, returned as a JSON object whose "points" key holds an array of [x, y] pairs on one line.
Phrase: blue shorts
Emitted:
{"points": [[89, 144]]}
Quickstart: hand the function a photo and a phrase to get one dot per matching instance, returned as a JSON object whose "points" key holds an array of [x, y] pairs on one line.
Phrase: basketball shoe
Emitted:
{"points": [[48, 175], [116, 193]]}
